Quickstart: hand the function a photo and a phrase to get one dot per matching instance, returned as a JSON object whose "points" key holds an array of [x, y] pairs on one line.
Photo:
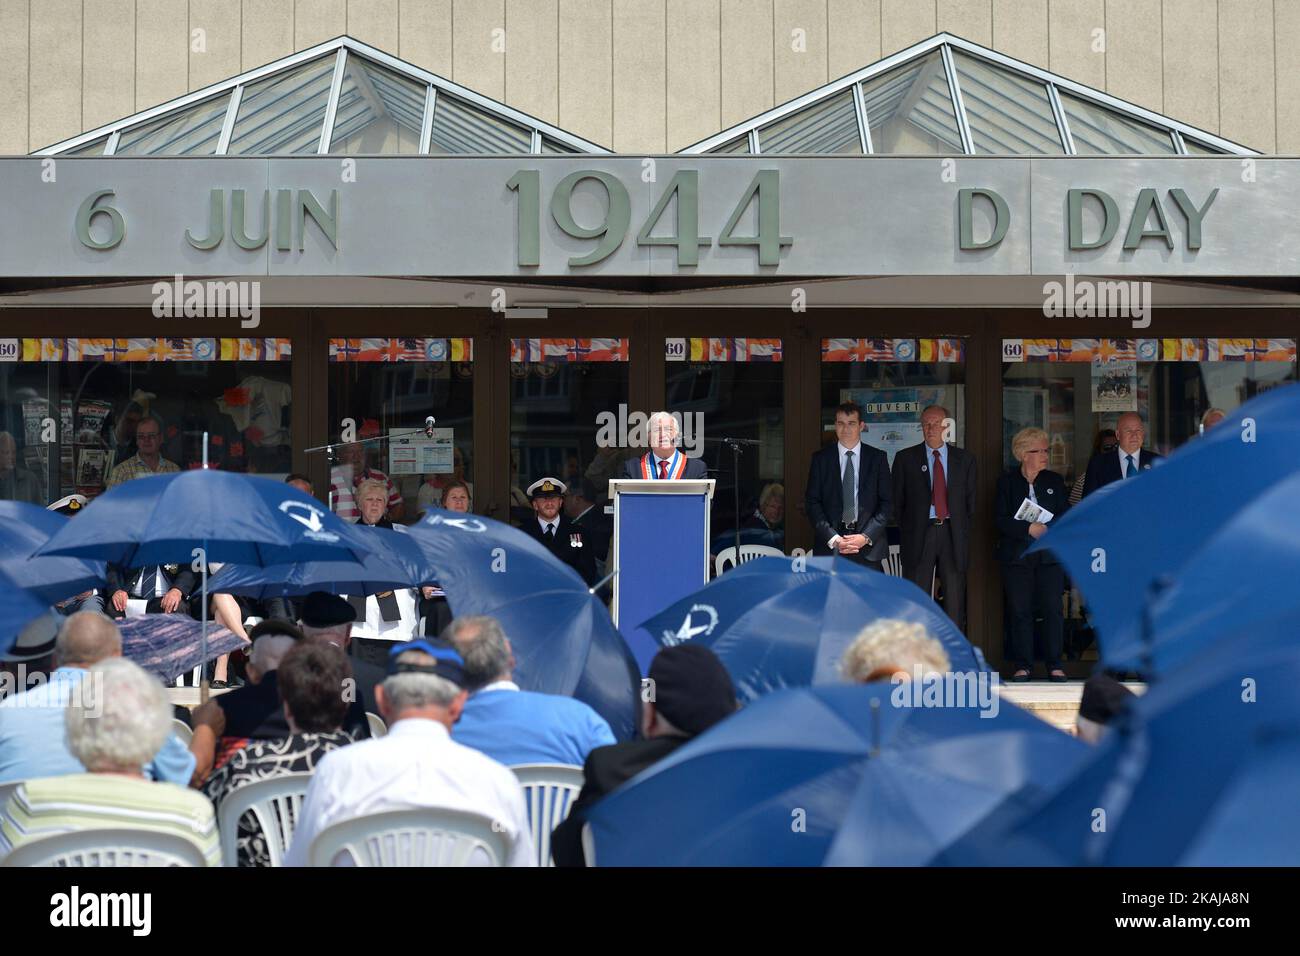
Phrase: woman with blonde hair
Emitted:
{"points": [[1029, 499]]}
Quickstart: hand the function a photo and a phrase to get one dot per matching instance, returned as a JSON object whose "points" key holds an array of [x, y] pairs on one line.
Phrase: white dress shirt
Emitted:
{"points": [[375, 627], [416, 764], [929, 469], [1123, 461], [553, 524]]}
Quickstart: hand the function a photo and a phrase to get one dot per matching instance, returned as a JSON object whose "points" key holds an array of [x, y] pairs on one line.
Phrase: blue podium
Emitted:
{"points": [[660, 550]]}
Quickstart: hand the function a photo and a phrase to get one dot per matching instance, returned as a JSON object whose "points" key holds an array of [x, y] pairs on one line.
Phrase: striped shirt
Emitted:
{"points": [[135, 467], [51, 805]]}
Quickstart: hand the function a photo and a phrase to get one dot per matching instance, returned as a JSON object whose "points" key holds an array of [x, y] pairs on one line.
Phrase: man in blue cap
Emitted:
{"points": [[416, 764]]}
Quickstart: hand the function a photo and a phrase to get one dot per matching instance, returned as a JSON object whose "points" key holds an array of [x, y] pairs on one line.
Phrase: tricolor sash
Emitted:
{"points": [[676, 466]]}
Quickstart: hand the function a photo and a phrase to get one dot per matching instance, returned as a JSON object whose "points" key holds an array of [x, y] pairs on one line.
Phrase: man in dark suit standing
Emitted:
{"points": [[1126, 460], [934, 501], [582, 504], [665, 460], [556, 532], [848, 494]]}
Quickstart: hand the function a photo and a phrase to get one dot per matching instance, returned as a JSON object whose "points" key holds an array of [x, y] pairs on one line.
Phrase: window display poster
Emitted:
{"points": [[1114, 387], [416, 454], [903, 406], [893, 436]]}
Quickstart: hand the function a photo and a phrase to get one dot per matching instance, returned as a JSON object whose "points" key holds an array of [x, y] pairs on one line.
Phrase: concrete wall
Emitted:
{"points": [[649, 75]]}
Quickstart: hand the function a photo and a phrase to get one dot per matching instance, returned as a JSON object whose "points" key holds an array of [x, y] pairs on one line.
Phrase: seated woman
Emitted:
{"points": [[309, 678], [1034, 583], [113, 732], [433, 601]]}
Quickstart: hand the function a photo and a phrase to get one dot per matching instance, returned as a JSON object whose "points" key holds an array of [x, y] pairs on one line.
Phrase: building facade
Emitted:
{"points": [[292, 224]]}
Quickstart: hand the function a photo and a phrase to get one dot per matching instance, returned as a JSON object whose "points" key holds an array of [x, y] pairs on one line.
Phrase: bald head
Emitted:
{"points": [[1130, 432], [87, 638]]}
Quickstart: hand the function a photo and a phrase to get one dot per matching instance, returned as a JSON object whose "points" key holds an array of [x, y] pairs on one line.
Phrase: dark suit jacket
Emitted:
{"points": [[254, 711], [367, 675], [600, 527], [1103, 468], [606, 769], [1013, 535], [581, 559], [695, 468], [824, 502], [118, 578], [912, 501]]}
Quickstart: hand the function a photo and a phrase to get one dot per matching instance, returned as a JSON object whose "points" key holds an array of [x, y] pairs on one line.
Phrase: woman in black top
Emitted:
{"points": [[1032, 583]]}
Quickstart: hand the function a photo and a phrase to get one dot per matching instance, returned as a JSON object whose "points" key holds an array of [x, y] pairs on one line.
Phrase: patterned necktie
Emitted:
{"points": [[849, 511], [1129, 471], [663, 469], [939, 488]]}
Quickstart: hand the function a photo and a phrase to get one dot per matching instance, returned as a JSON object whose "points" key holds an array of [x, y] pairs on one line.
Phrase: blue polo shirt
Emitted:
{"points": [[33, 743], [514, 726]]}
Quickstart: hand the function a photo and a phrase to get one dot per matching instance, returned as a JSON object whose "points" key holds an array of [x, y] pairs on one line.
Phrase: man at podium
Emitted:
{"points": [[664, 461], [549, 525]]}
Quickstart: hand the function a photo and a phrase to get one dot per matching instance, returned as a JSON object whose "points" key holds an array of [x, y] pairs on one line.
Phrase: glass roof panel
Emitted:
{"points": [[379, 112], [738, 145], [93, 148], [909, 109], [555, 146], [1008, 114], [194, 131], [459, 127], [1098, 131], [828, 126], [1200, 149], [284, 112]]}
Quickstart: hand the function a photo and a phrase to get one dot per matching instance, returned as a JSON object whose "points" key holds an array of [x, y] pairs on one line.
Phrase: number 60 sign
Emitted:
{"points": [[610, 233]]}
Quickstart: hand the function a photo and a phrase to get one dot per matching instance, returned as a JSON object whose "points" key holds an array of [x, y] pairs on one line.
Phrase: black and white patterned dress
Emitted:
{"points": [[261, 759]]}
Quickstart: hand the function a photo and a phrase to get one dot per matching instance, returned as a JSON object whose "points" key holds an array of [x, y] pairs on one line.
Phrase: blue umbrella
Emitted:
{"points": [[563, 639], [1202, 771], [243, 519], [1117, 548], [846, 775], [205, 516], [774, 625], [24, 528], [1243, 573], [394, 560], [17, 609]]}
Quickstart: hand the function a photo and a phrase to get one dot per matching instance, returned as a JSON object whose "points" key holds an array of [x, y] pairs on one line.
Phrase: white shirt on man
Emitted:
{"points": [[416, 764], [857, 461], [553, 524], [1123, 461]]}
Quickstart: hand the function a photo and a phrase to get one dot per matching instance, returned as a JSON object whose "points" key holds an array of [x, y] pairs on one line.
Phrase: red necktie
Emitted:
{"points": [[663, 469], [939, 489]]}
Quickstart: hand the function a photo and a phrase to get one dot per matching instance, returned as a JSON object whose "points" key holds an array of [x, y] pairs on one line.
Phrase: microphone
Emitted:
{"points": [[428, 426]]}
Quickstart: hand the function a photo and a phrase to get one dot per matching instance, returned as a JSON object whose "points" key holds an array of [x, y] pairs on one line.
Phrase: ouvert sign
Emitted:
{"points": [[653, 216]]}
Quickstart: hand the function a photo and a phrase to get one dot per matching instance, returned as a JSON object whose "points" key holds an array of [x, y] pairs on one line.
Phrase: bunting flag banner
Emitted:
{"points": [[728, 350], [170, 349], [568, 350], [401, 350], [1103, 351]]}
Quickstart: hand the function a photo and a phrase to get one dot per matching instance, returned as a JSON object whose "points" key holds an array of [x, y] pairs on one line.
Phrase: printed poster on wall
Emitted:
{"points": [[419, 455], [892, 436], [1114, 387]]}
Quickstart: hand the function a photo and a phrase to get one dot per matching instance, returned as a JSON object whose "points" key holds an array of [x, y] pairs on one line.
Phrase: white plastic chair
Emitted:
{"points": [[549, 792], [748, 552], [588, 845], [428, 836], [377, 726], [7, 791], [111, 847], [182, 730], [894, 561], [275, 802]]}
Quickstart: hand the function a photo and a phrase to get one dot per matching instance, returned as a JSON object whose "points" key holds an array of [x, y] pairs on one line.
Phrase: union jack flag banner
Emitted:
{"points": [[183, 349], [893, 350], [568, 350], [1101, 351], [401, 350]]}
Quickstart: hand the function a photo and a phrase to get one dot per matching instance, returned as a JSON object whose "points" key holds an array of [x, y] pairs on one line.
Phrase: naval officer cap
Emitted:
{"points": [[547, 488], [68, 505]]}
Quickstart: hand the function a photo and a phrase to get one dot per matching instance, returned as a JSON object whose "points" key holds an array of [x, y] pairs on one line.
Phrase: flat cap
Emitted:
{"points": [[322, 609]]}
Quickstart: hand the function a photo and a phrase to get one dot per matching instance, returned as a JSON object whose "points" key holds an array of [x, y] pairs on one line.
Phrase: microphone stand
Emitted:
{"points": [[735, 445]]}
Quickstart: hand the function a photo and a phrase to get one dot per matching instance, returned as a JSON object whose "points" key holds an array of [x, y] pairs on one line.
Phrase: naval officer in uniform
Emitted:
{"points": [[549, 525]]}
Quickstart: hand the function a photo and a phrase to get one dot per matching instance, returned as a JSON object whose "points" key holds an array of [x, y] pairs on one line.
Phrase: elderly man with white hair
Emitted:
{"points": [[32, 742], [888, 648], [113, 728], [416, 764], [665, 460]]}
